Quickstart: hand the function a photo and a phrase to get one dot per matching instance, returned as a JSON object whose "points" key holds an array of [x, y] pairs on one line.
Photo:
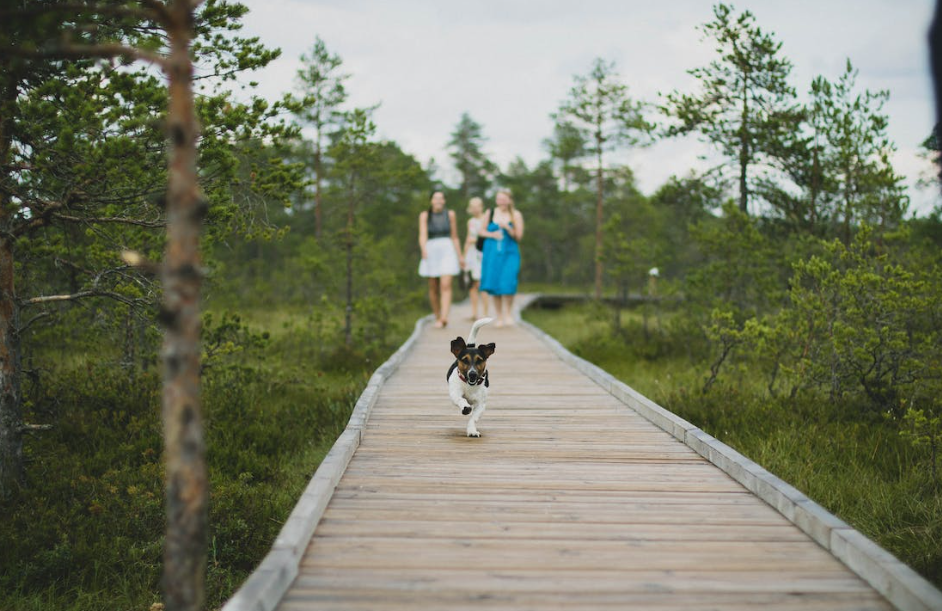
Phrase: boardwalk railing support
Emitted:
{"points": [[265, 587], [903, 587]]}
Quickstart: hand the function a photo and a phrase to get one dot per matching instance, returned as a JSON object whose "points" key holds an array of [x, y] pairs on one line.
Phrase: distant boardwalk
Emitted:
{"points": [[570, 500]]}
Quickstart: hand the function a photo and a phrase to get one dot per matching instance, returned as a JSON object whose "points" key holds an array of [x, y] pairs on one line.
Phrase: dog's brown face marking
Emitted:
{"points": [[472, 360]]}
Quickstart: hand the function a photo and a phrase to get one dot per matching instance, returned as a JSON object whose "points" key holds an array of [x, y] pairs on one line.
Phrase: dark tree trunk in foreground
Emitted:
{"points": [[186, 480], [11, 415], [935, 56]]}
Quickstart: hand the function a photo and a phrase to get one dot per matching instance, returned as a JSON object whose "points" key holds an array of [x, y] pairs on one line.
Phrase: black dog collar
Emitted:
{"points": [[481, 380]]}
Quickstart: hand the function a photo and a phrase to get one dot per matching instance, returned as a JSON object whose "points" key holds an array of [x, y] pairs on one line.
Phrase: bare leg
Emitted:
{"points": [[473, 294], [498, 305], [446, 299], [509, 308], [484, 303], [434, 298]]}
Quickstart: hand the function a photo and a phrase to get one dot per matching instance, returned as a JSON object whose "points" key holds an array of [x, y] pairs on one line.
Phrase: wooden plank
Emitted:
{"points": [[566, 555], [473, 480], [375, 598], [339, 525], [563, 511], [421, 582], [513, 495]]}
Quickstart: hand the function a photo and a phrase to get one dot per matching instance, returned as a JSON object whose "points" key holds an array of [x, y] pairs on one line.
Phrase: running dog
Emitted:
{"points": [[467, 377]]}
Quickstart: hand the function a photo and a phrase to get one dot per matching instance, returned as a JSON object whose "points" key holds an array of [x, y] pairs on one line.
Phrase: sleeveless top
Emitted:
{"points": [[474, 227], [439, 226]]}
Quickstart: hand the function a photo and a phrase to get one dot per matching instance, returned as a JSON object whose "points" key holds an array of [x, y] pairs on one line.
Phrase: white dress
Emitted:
{"points": [[473, 259], [442, 259]]}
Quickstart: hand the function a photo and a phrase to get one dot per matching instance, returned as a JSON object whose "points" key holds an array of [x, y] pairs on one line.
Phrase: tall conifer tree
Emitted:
{"points": [[466, 146], [322, 86], [599, 108], [745, 103]]}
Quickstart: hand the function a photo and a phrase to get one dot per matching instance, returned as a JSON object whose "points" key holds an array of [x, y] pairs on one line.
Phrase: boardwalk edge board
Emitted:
{"points": [[264, 588], [903, 587]]}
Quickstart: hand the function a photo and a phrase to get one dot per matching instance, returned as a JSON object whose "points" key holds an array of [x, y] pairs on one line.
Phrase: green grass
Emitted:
{"points": [[555, 289], [849, 460], [85, 532]]}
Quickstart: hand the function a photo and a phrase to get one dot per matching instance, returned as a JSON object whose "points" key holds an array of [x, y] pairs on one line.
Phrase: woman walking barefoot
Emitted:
{"points": [[472, 255], [501, 263], [441, 255]]}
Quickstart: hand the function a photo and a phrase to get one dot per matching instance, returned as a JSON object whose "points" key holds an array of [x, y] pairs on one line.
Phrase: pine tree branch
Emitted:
{"points": [[104, 51], [35, 428], [109, 219], [156, 11], [77, 296], [34, 223], [28, 323], [161, 11], [71, 265]]}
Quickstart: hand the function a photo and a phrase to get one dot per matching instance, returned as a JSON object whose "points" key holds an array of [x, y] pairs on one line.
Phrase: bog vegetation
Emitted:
{"points": [[795, 311]]}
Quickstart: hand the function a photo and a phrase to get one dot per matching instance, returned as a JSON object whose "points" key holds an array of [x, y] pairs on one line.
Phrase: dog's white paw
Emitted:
{"points": [[474, 433]]}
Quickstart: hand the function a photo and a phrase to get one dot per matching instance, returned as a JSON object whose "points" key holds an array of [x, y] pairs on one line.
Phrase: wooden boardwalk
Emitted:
{"points": [[570, 500]]}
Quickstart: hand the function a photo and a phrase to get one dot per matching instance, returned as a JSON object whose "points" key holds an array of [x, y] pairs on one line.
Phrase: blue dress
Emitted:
{"points": [[500, 264]]}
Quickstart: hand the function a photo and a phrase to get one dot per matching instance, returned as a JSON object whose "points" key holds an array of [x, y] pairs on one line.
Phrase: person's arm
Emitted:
{"points": [[454, 237], [470, 241], [423, 233], [517, 229]]}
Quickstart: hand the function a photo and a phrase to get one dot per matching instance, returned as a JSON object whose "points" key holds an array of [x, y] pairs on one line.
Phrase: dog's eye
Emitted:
{"points": [[466, 358], [478, 359]]}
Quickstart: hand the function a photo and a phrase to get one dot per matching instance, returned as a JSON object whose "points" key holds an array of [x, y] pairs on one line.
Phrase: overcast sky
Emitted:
{"points": [[509, 63]]}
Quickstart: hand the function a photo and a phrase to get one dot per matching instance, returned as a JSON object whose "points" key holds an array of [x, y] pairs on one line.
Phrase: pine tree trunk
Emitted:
{"points": [[548, 270], [186, 477], [466, 181], [935, 55], [129, 358], [815, 186], [11, 409], [848, 207], [348, 321], [598, 223], [744, 149], [318, 168]]}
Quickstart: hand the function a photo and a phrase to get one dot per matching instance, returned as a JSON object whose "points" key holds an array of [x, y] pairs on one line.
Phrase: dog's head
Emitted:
{"points": [[472, 360]]}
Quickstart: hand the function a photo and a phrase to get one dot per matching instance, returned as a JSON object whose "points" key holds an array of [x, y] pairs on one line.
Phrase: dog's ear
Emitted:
{"points": [[487, 349], [457, 345]]}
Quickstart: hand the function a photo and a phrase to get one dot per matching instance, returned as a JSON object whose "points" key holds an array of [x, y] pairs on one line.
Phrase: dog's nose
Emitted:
{"points": [[472, 375]]}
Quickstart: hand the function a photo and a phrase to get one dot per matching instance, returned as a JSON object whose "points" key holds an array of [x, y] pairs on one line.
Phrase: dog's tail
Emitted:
{"points": [[472, 337]]}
